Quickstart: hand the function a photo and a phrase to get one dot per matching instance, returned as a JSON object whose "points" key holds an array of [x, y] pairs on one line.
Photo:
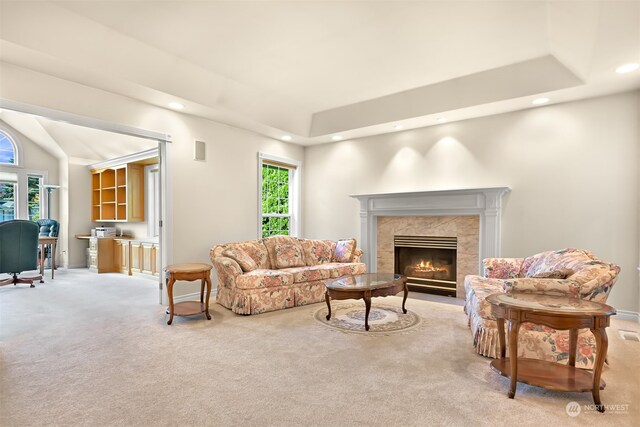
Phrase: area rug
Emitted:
{"points": [[383, 318]]}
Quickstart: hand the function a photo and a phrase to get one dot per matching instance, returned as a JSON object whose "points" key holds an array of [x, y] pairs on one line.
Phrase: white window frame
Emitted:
{"points": [[22, 186], [295, 178]]}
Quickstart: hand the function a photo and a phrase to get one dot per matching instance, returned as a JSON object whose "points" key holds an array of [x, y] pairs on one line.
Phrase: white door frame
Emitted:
{"points": [[164, 150]]}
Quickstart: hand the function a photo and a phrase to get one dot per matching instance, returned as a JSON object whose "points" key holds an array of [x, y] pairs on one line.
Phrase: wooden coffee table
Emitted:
{"points": [[366, 286], [558, 313]]}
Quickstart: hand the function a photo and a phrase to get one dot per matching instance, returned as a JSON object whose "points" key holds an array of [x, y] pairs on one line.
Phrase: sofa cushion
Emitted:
{"points": [[339, 269], [554, 260], [562, 273], [317, 251], [263, 279], [309, 273], [256, 250], [241, 257], [502, 268], [288, 255], [271, 242], [344, 250]]}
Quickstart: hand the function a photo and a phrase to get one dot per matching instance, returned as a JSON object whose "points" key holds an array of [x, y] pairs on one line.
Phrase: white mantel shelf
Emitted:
{"points": [[484, 202]]}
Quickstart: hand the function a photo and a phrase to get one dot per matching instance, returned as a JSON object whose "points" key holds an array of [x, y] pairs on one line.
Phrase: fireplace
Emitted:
{"points": [[429, 262]]}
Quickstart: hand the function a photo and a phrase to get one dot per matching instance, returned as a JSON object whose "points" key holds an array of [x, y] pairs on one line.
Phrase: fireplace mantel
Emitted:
{"points": [[484, 202]]}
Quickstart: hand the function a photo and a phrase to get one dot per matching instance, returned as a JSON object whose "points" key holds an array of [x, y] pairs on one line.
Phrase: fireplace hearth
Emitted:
{"points": [[429, 263]]}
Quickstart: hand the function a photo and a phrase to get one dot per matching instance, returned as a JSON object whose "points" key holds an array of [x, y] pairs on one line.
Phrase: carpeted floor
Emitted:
{"points": [[95, 350]]}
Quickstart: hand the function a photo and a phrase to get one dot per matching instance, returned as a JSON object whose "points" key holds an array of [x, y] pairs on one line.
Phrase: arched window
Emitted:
{"points": [[7, 150]]}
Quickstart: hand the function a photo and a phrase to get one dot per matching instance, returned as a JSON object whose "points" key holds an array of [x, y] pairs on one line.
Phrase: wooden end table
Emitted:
{"points": [[189, 272], [558, 313], [52, 242], [366, 286]]}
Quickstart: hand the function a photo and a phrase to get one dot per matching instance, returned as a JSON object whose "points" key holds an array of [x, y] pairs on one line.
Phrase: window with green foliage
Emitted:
{"points": [[33, 196], [278, 196], [7, 201]]}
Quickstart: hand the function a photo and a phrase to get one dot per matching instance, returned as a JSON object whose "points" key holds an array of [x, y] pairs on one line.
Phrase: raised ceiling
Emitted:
{"points": [[312, 69]]}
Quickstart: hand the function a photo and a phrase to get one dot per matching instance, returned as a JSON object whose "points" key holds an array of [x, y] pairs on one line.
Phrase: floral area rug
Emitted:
{"points": [[383, 318]]}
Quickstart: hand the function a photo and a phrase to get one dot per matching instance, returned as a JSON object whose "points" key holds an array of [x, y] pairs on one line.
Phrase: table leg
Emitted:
{"points": [[206, 304], [503, 346], [367, 308], [514, 327], [406, 293], [53, 258], [573, 345], [170, 283], [202, 290], [327, 299], [602, 343], [41, 261]]}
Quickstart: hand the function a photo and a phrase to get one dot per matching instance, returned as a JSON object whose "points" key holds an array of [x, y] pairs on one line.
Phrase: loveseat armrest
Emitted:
{"points": [[502, 268], [228, 270], [357, 254], [562, 287]]}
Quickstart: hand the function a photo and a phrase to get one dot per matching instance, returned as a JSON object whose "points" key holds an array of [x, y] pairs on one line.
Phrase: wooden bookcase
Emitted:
{"points": [[117, 194]]}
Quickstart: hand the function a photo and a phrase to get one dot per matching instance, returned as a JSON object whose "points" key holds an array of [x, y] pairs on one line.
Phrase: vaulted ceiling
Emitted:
{"points": [[315, 69]]}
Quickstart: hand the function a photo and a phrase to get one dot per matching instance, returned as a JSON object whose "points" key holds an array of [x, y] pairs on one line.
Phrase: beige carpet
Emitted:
{"points": [[95, 350]]}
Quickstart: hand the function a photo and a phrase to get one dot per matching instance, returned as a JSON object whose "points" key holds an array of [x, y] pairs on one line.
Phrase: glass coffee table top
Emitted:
{"points": [[549, 303], [364, 281]]}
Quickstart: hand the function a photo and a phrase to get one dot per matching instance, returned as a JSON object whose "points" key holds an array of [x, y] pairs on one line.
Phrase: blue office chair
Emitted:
{"points": [[19, 250], [48, 228]]}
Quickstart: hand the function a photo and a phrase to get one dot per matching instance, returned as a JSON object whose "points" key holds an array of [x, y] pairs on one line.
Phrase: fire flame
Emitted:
{"points": [[428, 266]]}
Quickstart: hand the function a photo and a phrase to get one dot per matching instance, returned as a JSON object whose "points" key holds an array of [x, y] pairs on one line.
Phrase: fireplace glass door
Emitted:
{"points": [[428, 262]]}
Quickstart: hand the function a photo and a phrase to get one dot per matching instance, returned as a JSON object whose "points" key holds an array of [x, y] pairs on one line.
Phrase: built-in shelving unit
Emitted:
{"points": [[117, 194]]}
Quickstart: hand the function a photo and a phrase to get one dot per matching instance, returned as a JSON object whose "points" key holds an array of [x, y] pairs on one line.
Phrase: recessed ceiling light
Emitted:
{"points": [[398, 127], [540, 101], [627, 68], [286, 137], [336, 137], [176, 105], [441, 120]]}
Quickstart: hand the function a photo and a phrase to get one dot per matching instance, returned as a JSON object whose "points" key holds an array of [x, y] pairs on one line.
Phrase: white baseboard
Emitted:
{"points": [[628, 315], [195, 297]]}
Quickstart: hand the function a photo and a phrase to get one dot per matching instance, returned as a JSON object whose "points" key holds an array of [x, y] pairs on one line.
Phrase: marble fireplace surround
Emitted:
{"points": [[483, 203]]}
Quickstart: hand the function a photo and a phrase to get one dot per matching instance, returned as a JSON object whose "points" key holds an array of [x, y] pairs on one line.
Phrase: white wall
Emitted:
{"points": [[573, 170], [211, 202]]}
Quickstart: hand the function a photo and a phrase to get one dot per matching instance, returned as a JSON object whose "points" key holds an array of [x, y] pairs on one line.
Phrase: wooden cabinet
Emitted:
{"points": [[100, 256], [117, 194], [144, 257], [122, 256]]}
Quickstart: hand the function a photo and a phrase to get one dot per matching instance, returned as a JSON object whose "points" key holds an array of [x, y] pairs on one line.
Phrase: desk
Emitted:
{"points": [[52, 242]]}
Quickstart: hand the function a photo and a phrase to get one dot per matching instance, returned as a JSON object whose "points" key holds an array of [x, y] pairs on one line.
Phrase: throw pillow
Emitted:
{"points": [[317, 252], [344, 250], [562, 273], [241, 257], [289, 255]]}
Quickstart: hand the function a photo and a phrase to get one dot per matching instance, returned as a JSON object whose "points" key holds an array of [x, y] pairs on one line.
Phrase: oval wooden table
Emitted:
{"points": [[366, 286], [189, 272], [558, 313]]}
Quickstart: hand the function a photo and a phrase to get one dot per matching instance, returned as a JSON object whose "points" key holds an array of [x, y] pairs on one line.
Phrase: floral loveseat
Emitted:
{"points": [[569, 272], [279, 272]]}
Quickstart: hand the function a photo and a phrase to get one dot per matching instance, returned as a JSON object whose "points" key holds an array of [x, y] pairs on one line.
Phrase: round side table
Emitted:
{"points": [[189, 272]]}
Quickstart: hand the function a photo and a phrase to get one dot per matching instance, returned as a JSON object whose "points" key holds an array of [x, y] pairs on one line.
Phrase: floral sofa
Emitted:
{"points": [[569, 272], [279, 272]]}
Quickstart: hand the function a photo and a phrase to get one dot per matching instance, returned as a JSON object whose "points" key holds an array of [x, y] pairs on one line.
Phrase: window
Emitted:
{"points": [[34, 192], [8, 196], [20, 189], [7, 150], [279, 194]]}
